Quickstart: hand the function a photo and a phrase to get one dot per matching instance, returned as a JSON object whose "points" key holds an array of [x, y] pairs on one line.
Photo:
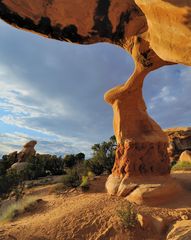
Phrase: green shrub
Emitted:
{"points": [[91, 175], [185, 166], [95, 166], [103, 157], [9, 181], [72, 160], [84, 184], [15, 209], [127, 215], [7, 161], [72, 178], [53, 165]]}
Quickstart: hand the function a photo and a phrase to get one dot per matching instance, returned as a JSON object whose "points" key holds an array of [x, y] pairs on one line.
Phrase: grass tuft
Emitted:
{"points": [[184, 166], [84, 184], [17, 208], [71, 179], [127, 215]]}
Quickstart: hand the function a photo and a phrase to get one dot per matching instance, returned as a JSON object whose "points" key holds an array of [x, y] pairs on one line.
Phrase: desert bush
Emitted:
{"points": [[91, 175], [53, 165], [43, 165], [80, 157], [84, 184], [15, 209], [7, 161], [72, 160], [18, 191], [35, 168], [95, 166], [127, 215], [72, 178], [185, 166], [9, 181], [103, 157]]}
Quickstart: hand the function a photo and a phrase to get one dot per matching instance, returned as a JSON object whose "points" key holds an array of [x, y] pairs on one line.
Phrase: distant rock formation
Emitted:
{"points": [[21, 158], [155, 32], [179, 141], [27, 151]]}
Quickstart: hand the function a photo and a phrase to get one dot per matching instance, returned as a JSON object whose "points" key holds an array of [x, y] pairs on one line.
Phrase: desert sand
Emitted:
{"points": [[91, 216]]}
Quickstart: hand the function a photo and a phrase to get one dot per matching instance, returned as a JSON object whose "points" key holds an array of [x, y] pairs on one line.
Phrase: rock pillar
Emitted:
{"points": [[141, 143]]}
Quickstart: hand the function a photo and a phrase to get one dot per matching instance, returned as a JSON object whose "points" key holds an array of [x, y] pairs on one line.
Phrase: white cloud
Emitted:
{"points": [[164, 95], [19, 98], [20, 112], [53, 144]]}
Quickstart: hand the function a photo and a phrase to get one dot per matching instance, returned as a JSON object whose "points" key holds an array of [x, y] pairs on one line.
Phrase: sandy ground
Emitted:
{"points": [[89, 216]]}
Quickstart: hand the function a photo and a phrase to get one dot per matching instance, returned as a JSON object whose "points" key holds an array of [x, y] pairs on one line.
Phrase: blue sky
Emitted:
{"points": [[53, 91]]}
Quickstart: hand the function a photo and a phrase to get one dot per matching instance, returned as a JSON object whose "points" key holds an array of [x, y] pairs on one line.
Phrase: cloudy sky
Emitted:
{"points": [[53, 91]]}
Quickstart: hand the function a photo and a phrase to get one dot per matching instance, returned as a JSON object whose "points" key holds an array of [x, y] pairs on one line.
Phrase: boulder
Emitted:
{"points": [[126, 189], [185, 156], [155, 193], [181, 230], [156, 223], [112, 184], [19, 166]]}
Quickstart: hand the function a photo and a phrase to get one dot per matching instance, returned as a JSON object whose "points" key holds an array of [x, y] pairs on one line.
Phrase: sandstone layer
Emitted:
{"points": [[155, 32]]}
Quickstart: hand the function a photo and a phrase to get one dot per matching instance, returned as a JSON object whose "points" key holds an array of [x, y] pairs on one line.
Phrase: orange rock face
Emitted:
{"points": [[155, 32], [169, 28], [142, 145]]}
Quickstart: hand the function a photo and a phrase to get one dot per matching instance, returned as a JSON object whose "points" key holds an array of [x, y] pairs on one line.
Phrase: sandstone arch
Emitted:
{"points": [[148, 30]]}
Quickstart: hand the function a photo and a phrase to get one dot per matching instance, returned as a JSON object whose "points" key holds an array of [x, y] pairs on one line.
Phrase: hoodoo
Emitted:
{"points": [[153, 40]]}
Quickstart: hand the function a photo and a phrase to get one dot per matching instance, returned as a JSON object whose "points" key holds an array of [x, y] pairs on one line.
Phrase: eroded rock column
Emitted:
{"points": [[142, 145]]}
